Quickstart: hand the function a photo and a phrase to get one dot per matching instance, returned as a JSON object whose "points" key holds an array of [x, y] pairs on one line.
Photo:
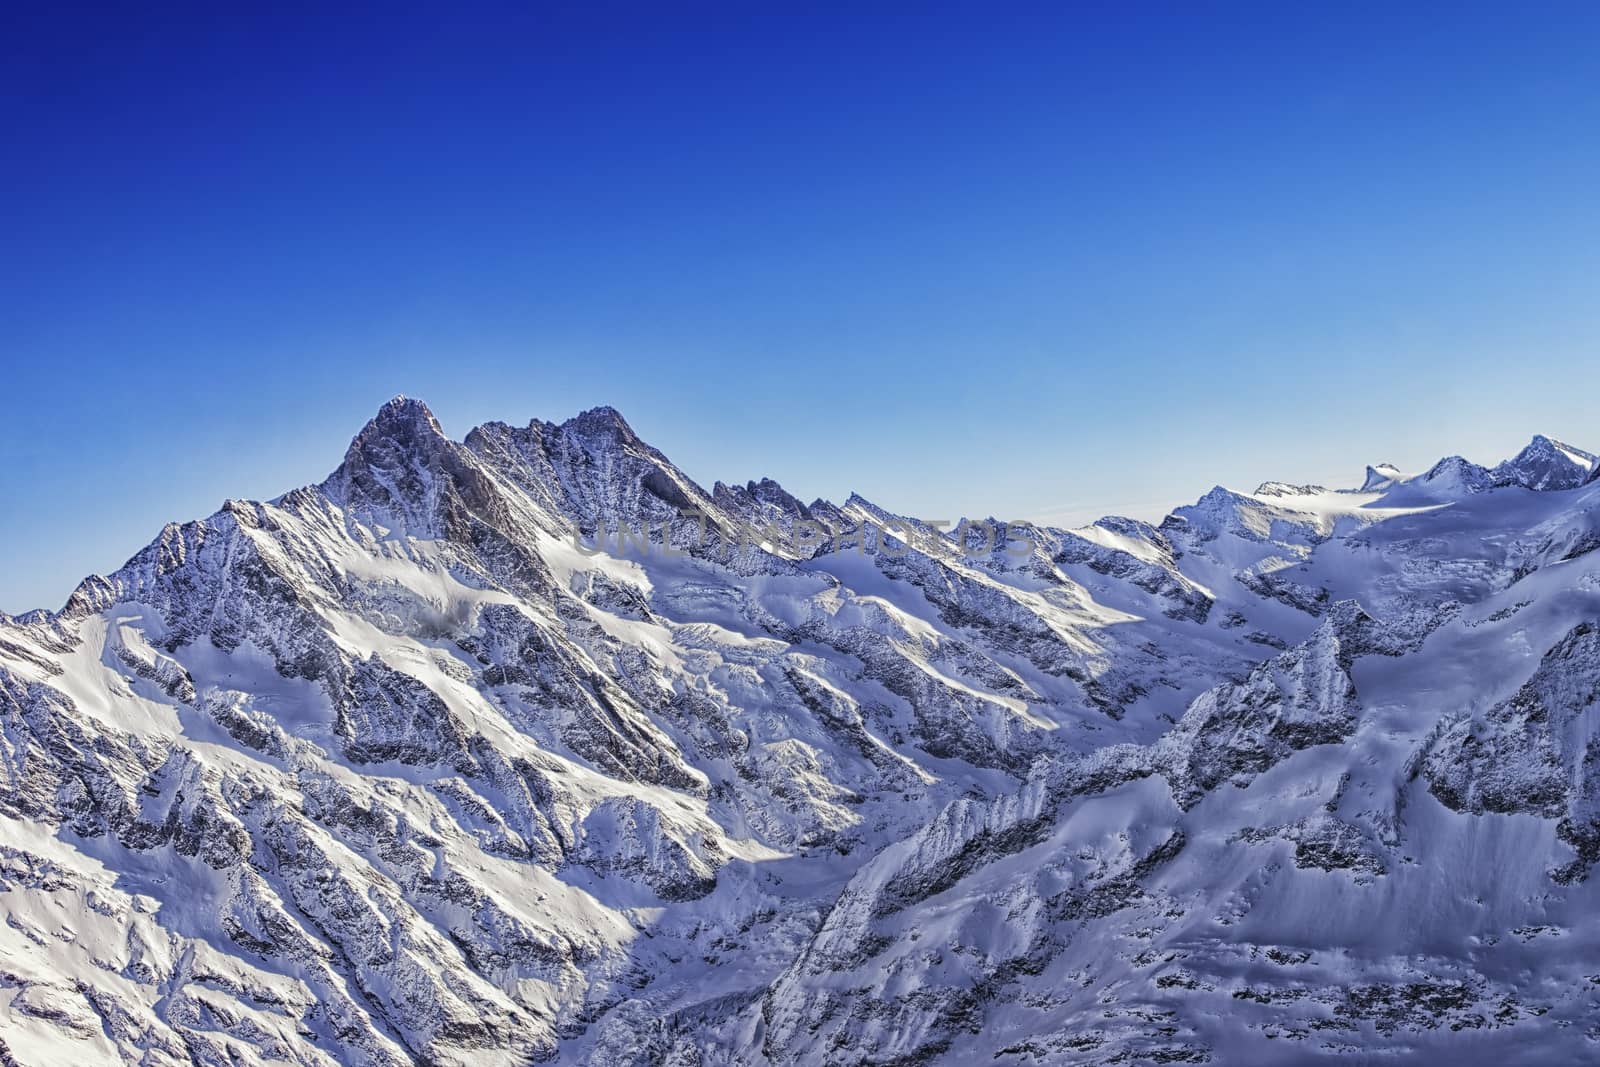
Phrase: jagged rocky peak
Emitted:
{"points": [[93, 594], [597, 429], [602, 423], [390, 453], [856, 500], [600, 433], [1546, 464], [403, 473], [765, 500], [404, 424], [857, 510]]}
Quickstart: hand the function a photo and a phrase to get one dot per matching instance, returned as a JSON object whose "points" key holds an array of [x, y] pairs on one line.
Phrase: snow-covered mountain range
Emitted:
{"points": [[396, 769]]}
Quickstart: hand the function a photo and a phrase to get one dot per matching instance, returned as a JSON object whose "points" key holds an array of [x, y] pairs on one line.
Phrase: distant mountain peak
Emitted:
{"points": [[1546, 464], [1543, 445], [402, 411], [398, 466], [402, 424], [1379, 476], [603, 421], [1456, 476]]}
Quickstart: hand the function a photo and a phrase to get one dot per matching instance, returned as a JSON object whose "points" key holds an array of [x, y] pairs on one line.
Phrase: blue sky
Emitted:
{"points": [[1048, 261]]}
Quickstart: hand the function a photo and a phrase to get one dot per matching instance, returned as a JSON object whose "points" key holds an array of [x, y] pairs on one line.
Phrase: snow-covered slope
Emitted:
{"points": [[399, 769]]}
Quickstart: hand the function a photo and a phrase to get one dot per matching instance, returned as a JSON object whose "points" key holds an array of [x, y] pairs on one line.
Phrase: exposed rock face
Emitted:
{"points": [[1301, 698], [1546, 464], [1142, 556], [527, 748], [1537, 752]]}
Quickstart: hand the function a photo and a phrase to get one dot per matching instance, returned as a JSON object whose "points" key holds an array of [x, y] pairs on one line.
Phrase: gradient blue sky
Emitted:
{"points": [[1034, 262]]}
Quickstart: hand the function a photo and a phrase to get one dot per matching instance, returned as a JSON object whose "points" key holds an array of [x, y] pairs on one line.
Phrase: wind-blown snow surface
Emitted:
{"points": [[389, 771]]}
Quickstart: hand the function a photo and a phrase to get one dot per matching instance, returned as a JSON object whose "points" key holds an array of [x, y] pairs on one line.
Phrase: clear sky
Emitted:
{"points": [[1047, 261]]}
